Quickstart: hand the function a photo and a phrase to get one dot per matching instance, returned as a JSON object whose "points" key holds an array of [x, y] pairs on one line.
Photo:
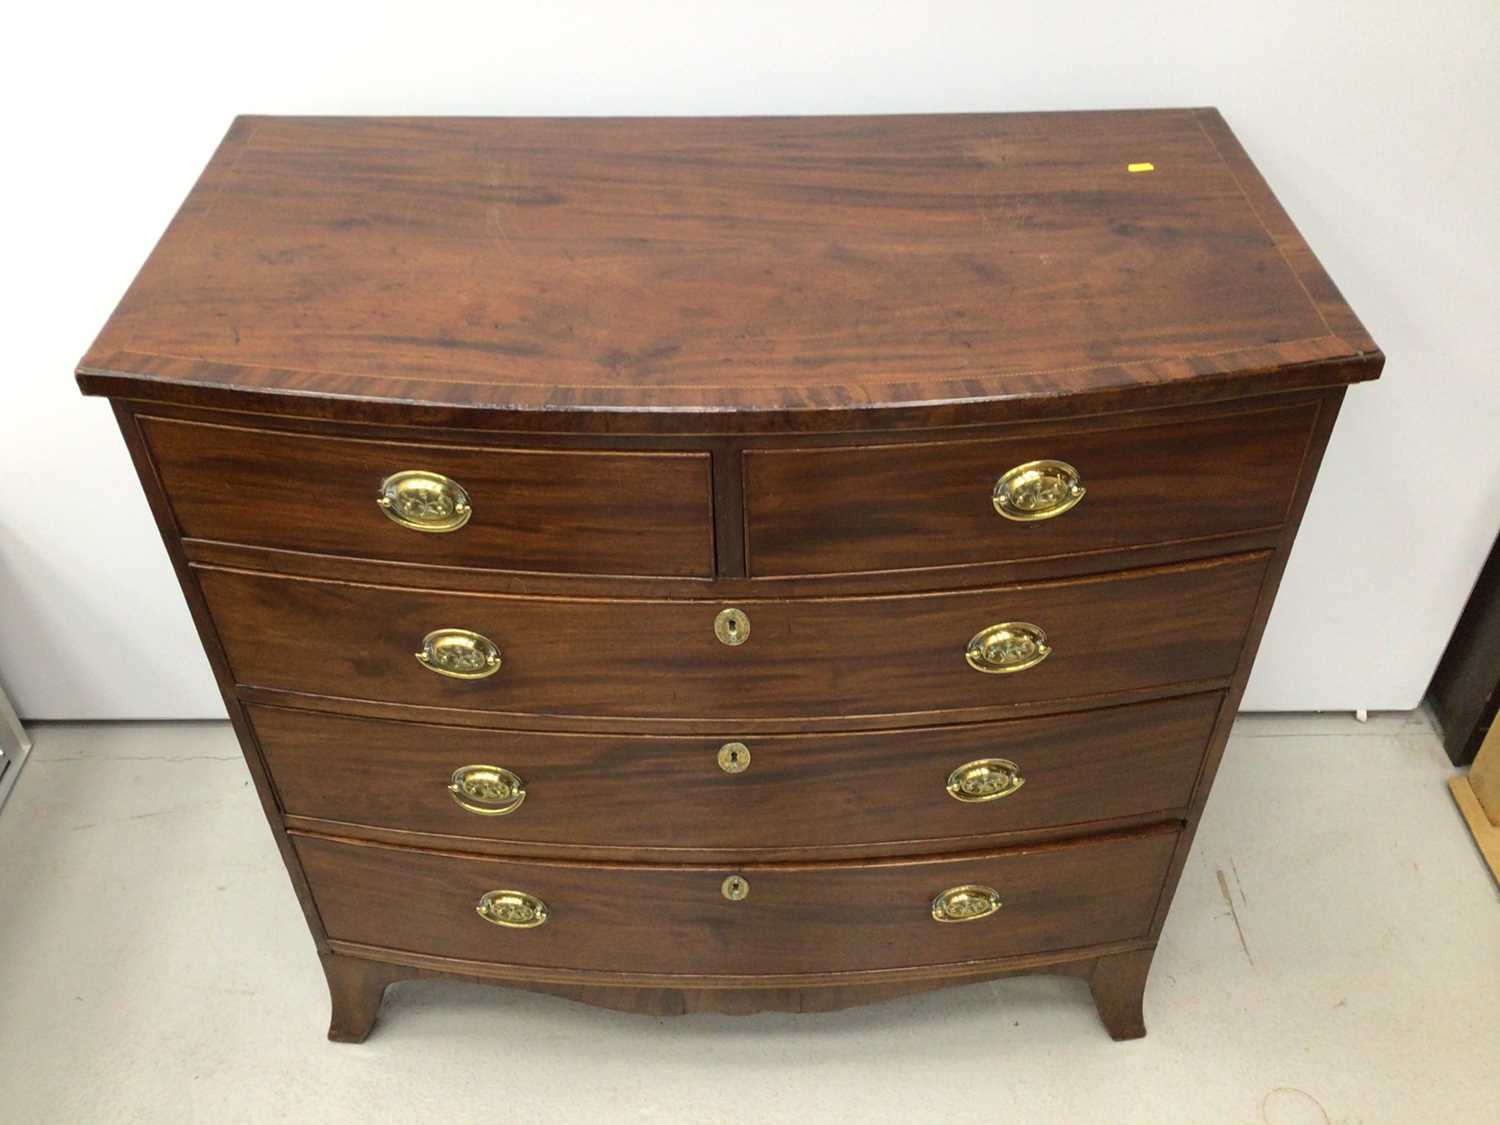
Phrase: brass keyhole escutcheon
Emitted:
{"points": [[734, 757], [732, 627], [735, 888]]}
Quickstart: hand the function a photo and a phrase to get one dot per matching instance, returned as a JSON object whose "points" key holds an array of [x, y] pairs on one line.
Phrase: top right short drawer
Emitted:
{"points": [[1027, 496]]}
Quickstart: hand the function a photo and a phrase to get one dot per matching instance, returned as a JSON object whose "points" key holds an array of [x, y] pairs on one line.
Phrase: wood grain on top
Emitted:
{"points": [[765, 266]]}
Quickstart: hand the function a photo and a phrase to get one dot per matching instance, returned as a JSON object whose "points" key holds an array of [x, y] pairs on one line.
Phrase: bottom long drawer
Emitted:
{"points": [[777, 919]]}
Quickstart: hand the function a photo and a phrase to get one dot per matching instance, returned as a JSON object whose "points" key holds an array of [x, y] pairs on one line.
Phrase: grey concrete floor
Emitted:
{"points": [[1333, 956]]}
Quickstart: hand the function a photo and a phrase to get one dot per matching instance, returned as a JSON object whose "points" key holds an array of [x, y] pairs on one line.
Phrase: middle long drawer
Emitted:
{"points": [[698, 793], [668, 659]]}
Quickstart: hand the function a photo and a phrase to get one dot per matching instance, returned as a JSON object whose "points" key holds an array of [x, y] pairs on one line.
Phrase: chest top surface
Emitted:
{"points": [[961, 267]]}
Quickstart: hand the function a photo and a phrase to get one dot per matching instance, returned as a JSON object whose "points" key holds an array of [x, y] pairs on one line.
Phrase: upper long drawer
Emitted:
{"points": [[845, 656], [892, 507], [561, 511]]}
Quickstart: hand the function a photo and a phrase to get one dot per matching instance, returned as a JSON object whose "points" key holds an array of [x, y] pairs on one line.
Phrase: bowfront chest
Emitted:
{"points": [[731, 564]]}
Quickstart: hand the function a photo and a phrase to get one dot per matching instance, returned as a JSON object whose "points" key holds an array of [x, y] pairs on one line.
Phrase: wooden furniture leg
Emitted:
{"points": [[356, 986], [1118, 983]]}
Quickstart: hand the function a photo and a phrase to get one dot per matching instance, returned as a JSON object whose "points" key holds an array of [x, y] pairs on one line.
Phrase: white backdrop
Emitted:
{"points": [[1377, 122]]}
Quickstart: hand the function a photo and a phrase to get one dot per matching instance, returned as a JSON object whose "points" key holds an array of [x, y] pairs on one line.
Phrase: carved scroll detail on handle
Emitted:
{"points": [[968, 903], [424, 501], [515, 910], [460, 653], [986, 779], [1012, 646], [486, 790], [1037, 490]]}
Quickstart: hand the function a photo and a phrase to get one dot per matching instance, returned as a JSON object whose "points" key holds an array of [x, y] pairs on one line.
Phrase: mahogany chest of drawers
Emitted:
{"points": [[731, 564]]}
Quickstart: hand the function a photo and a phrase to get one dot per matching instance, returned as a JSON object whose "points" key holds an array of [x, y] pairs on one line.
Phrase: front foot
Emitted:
{"points": [[1118, 983], [356, 986]]}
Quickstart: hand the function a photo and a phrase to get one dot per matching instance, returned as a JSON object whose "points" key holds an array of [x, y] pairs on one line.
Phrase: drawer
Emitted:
{"points": [[796, 791], [573, 511], [892, 507], [887, 655], [794, 919]]}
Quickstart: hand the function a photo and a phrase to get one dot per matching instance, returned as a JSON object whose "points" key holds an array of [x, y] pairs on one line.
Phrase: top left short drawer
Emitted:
{"points": [[608, 512]]}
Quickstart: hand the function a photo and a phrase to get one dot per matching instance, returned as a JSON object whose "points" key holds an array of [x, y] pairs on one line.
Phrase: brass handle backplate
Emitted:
{"points": [[515, 910], [486, 790], [460, 653], [732, 627], [1012, 646], [1037, 490], [987, 779], [424, 501], [968, 903]]}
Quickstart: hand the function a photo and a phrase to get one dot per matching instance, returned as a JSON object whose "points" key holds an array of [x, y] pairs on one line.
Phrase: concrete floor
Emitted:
{"points": [[1333, 956]]}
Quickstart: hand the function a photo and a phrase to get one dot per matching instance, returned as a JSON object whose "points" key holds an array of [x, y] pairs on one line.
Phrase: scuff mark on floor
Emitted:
{"points": [[1289, 1097], [1229, 902]]}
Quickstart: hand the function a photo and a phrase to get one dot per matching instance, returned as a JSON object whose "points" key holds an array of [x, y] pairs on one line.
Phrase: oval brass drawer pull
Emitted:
{"points": [[424, 501], [1037, 490], [1012, 646], [460, 653], [987, 779], [732, 627], [515, 910], [486, 790], [968, 903]]}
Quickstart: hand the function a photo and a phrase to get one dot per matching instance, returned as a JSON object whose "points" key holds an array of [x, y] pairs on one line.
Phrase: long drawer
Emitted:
{"points": [[774, 919], [898, 506], [563, 511], [720, 793], [664, 659]]}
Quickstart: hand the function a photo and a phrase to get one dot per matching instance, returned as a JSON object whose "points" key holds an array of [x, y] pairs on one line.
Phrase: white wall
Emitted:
{"points": [[1377, 122]]}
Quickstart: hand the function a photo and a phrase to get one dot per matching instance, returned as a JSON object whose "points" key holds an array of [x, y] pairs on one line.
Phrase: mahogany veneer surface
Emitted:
{"points": [[727, 265], [673, 920], [588, 511], [772, 365], [820, 791], [804, 658]]}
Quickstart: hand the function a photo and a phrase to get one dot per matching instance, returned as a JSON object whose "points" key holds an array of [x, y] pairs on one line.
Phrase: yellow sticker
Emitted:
{"points": [[1146, 167]]}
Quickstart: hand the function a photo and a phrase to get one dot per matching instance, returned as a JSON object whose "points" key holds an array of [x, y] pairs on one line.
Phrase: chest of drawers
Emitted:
{"points": [[731, 564]]}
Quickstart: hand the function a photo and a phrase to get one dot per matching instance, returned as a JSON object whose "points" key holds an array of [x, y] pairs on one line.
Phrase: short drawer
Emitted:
{"points": [[892, 507], [837, 657], [790, 920], [559, 511], [725, 793]]}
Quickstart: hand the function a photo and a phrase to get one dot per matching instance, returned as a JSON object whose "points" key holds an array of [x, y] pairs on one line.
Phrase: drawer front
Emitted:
{"points": [[662, 659], [891, 507], [799, 919], [796, 791], [530, 510]]}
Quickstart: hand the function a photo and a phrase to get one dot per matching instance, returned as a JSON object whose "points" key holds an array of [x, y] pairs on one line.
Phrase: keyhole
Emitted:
{"points": [[732, 627], [734, 757]]}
